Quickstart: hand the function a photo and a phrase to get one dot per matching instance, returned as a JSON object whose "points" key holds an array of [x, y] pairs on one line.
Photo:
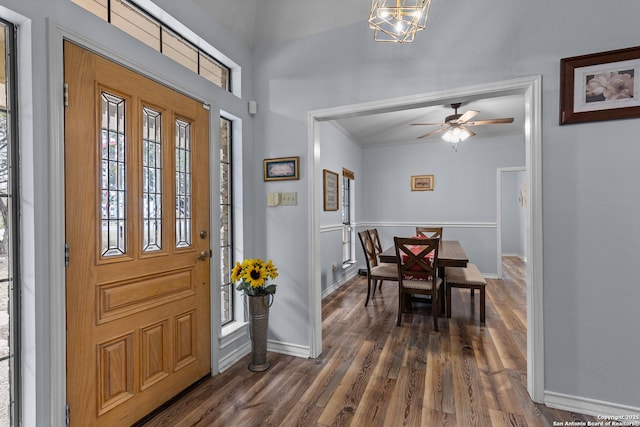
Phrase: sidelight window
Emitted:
{"points": [[226, 222]]}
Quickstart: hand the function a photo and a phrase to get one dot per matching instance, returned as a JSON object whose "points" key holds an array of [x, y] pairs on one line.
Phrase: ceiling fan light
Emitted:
{"points": [[456, 134]]}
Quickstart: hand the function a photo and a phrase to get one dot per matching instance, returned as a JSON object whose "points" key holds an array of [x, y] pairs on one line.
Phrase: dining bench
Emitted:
{"points": [[468, 277]]}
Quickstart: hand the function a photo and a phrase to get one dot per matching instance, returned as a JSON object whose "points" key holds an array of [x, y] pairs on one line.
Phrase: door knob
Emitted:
{"points": [[204, 255]]}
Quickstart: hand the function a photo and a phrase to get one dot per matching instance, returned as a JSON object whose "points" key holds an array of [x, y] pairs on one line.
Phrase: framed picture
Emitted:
{"points": [[330, 190], [281, 169], [600, 86], [422, 183]]}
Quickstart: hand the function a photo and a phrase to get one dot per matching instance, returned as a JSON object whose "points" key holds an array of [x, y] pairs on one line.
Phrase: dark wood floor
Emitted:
{"points": [[373, 373]]}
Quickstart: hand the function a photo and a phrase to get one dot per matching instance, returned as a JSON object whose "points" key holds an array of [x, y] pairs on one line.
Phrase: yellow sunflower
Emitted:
{"points": [[272, 271], [255, 275], [252, 275], [236, 273]]}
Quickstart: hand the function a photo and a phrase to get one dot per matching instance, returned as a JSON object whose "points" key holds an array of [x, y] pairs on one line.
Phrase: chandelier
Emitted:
{"points": [[398, 21]]}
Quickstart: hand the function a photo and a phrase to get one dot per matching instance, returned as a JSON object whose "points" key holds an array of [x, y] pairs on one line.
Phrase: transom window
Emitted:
{"points": [[139, 23]]}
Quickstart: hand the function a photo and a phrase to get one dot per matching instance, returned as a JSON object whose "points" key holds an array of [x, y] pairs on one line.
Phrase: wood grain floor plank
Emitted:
{"points": [[439, 376], [373, 373], [470, 403], [344, 401], [375, 402]]}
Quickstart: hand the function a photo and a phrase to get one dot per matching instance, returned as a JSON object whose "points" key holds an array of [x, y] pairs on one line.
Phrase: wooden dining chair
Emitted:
{"points": [[429, 232], [418, 272], [375, 272], [377, 245], [375, 238]]}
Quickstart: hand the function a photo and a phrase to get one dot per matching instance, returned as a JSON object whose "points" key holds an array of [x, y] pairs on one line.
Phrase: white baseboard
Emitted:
{"points": [[274, 346], [233, 357], [513, 254], [331, 289], [583, 405], [289, 349]]}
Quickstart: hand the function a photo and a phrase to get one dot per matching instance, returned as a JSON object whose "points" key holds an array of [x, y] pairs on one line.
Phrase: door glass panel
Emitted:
{"points": [[226, 221], [9, 284], [112, 185], [183, 184], [151, 180]]}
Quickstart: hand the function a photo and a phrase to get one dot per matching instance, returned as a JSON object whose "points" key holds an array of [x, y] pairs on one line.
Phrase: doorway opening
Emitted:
{"points": [[511, 214], [530, 88]]}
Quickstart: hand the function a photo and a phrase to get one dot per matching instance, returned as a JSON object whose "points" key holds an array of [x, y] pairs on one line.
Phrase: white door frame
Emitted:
{"points": [[531, 88]]}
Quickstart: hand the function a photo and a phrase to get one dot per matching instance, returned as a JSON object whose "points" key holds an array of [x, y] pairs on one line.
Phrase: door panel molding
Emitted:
{"points": [[54, 314], [106, 197]]}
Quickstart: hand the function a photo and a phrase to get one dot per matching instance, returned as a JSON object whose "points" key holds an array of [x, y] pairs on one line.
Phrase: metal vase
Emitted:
{"points": [[258, 328]]}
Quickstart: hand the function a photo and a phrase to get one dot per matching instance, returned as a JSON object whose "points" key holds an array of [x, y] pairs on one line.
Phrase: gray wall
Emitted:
{"points": [[338, 151], [590, 312], [583, 321], [464, 196]]}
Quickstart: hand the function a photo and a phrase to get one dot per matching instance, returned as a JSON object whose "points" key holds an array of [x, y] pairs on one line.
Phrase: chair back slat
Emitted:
{"points": [[417, 257], [368, 249], [429, 232], [375, 239]]}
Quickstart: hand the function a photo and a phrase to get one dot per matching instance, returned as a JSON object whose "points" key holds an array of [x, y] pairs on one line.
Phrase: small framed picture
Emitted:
{"points": [[282, 168], [422, 183], [330, 190], [600, 86]]}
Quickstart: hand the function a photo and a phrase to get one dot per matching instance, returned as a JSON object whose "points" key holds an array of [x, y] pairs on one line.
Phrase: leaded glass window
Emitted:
{"points": [[226, 222], [10, 378], [112, 183], [183, 184], [151, 180]]}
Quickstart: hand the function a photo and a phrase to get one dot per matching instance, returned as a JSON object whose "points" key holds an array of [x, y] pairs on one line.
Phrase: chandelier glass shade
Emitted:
{"points": [[398, 21]]}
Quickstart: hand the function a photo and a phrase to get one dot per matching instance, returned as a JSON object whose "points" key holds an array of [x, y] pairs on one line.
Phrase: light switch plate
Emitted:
{"points": [[289, 199]]}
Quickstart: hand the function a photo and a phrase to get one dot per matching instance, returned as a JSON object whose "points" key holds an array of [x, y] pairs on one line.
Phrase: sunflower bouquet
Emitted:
{"points": [[253, 275]]}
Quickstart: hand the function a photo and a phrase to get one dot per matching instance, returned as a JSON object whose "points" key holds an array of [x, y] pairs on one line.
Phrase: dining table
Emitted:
{"points": [[450, 254]]}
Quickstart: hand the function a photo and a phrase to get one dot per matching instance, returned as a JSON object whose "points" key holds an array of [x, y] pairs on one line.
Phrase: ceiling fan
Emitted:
{"points": [[456, 124]]}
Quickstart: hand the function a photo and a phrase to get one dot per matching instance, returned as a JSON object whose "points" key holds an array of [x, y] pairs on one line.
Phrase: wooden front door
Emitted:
{"points": [[137, 227]]}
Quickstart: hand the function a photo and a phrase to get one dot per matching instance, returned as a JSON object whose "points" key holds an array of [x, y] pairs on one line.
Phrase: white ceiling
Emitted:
{"points": [[395, 127], [267, 22], [263, 23]]}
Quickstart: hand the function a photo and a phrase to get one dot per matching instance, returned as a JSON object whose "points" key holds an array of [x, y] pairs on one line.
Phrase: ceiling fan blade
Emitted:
{"points": [[490, 121], [427, 124], [471, 133], [433, 132], [467, 115]]}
